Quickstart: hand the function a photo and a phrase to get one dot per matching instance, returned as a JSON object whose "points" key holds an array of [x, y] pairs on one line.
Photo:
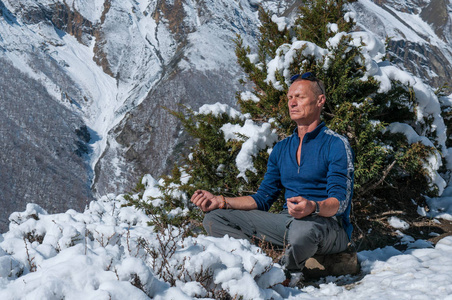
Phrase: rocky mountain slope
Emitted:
{"points": [[420, 34], [83, 84]]}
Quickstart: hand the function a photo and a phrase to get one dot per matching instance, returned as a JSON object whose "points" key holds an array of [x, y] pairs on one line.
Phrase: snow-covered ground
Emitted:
{"points": [[109, 252]]}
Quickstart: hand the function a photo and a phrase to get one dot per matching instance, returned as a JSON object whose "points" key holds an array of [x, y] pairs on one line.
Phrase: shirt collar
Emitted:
{"points": [[312, 134]]}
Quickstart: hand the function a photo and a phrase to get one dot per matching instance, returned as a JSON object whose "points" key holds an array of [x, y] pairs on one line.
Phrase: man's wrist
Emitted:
{"points": [[223, 202], [316, 210]]}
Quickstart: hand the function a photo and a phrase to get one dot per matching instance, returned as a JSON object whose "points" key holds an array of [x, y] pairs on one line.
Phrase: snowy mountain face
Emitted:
{"points": [[83, 84], [420, 33], [43, 147]]}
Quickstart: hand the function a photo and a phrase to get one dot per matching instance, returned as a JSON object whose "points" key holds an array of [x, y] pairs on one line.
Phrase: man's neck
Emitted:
{"points": [[305, 128]]}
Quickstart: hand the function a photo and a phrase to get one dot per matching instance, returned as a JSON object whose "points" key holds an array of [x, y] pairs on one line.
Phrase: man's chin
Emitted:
{"points": [[297, 119], [294, 117]]}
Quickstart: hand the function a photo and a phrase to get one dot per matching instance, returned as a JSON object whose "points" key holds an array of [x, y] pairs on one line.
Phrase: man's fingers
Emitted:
{"points": [[198, 194], [195, 196], [202, 205], [198, 199], [298, 206], [206, 205], [204, 200], [297, 199]]}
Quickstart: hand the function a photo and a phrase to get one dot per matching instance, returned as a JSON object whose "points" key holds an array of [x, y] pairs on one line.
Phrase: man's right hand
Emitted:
{"points": [[300, 207], [205, 200]]}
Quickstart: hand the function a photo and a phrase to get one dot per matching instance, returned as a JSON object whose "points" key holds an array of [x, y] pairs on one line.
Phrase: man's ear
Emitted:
{"points": [[321, 99]]}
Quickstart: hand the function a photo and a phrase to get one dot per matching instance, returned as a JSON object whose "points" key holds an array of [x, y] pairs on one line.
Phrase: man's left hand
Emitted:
{"points": [[300, 207]]}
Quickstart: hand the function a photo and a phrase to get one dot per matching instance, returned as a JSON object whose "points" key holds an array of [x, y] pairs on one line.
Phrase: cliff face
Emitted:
{"points": [[423, 61], [43, 148], [436, 13], [192, 73], [419, 32], [93, 79]]}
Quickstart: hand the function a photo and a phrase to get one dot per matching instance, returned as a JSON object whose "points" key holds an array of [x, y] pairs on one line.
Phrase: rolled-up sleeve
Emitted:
{"points": [[340, 173], [271, 186]]}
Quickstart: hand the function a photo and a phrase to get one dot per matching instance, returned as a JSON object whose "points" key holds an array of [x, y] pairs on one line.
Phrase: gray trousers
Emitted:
{"points": [[302, 238]]}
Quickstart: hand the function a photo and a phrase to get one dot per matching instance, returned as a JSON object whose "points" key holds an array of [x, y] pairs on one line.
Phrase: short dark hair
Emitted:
{"points": [[310, 76]]}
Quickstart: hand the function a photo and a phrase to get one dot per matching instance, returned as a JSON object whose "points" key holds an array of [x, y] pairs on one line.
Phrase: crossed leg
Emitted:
{"points": [[302, 238]]}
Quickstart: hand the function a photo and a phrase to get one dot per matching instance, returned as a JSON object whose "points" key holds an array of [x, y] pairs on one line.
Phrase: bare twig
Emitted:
{"points": [[30, 259], [375, 184]]}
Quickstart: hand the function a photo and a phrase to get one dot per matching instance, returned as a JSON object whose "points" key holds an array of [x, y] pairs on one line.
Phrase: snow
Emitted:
{"points": [[218, 109], [258, 136], [213, 37], [99, 86], [332, 27], [255, 137], [393, 27], [404, 24], [441, 206], [418, 25], [91, 10], [248, 96], [285, 58], [414, 274], [434, 161], [398, 223], [106, 253], [282, 22]]}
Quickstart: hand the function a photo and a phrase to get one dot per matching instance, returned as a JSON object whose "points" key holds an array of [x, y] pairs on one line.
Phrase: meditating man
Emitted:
{"points": [[315, 167]]}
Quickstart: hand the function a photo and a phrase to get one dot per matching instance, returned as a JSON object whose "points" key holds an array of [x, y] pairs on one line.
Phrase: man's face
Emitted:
{"points": [[304, 105]]}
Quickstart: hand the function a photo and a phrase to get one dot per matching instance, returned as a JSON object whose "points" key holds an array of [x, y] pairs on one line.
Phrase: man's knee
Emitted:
{"points": [[323, 236], [303, 233]]}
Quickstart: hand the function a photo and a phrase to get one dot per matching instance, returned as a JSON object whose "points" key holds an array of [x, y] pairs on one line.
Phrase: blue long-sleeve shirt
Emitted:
{"points": [[325, 170]]}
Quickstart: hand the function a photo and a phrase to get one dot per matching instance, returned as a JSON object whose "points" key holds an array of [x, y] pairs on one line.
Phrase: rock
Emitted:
{"points": [[338, 264]]}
